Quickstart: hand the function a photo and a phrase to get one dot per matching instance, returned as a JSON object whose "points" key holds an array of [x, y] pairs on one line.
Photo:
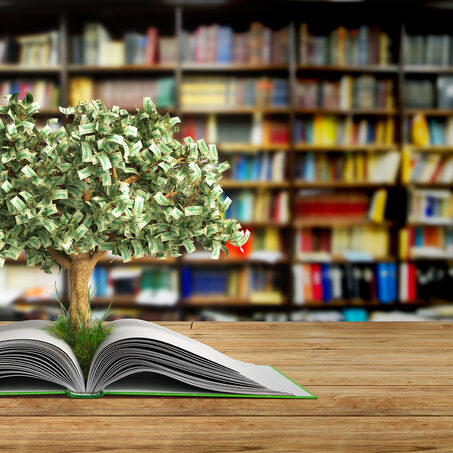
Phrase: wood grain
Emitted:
{"points": [[381, 387]]}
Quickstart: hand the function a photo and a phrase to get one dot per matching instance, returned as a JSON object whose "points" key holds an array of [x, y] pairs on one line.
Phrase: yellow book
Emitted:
{"points": [[406, 170], [348, 127], [318, 130], [383, 46], [377, 207], [330, 130], [360, 167], [80, 89], [348, 169], [271, 240], [420, 131], [389, 131], [404, 244]]}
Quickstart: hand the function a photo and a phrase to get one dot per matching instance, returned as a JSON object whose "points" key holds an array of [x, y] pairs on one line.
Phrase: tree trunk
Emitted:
{"points": [[79, 276]]}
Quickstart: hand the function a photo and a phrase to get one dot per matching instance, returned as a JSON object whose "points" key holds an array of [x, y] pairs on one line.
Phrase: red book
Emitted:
{"points": [[412, 283], [307, 240], [151, 46], [316, 282]]}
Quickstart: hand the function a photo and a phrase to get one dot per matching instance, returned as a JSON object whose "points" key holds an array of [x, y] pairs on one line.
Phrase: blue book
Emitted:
{"points": [[256, 168], [186, 282], [355, 314], [297, 131], [224, 44], [240, 169], [418, 236], [309, 170], [392, 270], [326, 283], [362, 46], [309, 130], [382, 283]]}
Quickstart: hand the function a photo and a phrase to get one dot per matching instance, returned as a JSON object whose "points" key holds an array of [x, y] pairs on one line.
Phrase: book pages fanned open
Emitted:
{"points": [[136, 358]]}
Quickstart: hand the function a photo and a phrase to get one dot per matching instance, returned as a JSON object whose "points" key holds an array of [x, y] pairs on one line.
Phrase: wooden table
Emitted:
{"points": [[382, 387]]}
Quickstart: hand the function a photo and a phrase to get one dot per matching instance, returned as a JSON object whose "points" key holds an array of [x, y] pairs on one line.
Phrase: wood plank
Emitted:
{"points": [[333, 400], [263, 434]]}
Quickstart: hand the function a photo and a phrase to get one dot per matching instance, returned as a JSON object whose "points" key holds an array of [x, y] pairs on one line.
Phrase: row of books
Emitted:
{"points": [[428, 49], [332, 130], [248, 206], [429, 168], [349, 282], [366, 242], [40, 49], [346, 93], [258, 167], [426, 242], [328, 204], [126, 93], [45, 92], [220, 44], [354, 167], [430, 206], [352, 47], [430, 131], [428, 93], [153, 285], [231, 92], [95, 46], [255, 129], [217, 285], [425, 281]]}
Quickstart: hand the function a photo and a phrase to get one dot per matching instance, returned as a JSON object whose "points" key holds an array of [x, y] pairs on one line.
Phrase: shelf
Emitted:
{"points": [[433, 223], [430, 149], [372, 111], [232, 184], [336, 148], [223, 301], [231, 261], [127, 300], [249, 148], [427, 69], [231, 67], [433, 185], [357, 303], [85, 69], [433, 112], [235, 110], [21, 69], [388, 69], [269, 223], [341, 260], [329, 222], [341, 184]]}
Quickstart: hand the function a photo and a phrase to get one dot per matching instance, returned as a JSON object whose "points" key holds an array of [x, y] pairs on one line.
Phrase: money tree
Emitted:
{"points": [[108, 180]]}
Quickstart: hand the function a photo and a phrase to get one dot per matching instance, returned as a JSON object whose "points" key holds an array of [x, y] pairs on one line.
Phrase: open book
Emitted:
{"points": [[136, 358]]}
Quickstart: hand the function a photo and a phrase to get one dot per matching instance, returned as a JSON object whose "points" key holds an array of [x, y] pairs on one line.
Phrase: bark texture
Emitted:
{"points": [[80, 266]]}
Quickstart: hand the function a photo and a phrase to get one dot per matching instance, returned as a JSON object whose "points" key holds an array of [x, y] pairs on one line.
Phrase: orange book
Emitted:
{"points": [[307, 287]]}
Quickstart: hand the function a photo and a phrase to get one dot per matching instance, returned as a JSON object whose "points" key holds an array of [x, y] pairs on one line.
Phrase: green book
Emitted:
{"points": [[137, 358]]}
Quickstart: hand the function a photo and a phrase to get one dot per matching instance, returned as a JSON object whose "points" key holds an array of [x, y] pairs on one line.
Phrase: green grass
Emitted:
{"points": [[83, 342]]}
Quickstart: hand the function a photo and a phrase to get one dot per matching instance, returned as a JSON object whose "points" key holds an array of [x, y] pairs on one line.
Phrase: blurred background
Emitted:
{"points": [[336, 118]]}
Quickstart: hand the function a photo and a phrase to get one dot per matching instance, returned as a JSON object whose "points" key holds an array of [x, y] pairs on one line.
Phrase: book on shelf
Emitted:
{"points": [[428, 168], [327, 282], [147, 285], [429, 93], [430, 131], [365, 243], [425, 281], [430, 49], [138, 358], [345, 47], [331, 130], [263, 206], [348, 92], [41, 49], [221, 44], [233, 92], [128, 92], [331, 206], [426, 242], [95, 47], [249, 285], [255, 129], [354, 167], [263, 167], [430, 206], [45, 92]]}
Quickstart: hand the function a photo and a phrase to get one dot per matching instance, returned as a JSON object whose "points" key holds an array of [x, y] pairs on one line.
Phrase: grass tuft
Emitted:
{"points": [[83, 342]]}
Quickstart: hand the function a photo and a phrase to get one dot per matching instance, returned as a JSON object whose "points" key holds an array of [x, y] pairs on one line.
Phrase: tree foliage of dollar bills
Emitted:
{"points": [[108, 180]]}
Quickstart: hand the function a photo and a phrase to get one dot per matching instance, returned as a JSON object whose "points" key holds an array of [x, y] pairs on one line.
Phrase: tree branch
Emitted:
{"points": [[192, 198], [59, 258], [96, 256]]}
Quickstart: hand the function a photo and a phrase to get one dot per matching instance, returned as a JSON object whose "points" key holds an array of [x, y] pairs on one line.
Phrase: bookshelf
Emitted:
{"points": [[176, 22]]}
